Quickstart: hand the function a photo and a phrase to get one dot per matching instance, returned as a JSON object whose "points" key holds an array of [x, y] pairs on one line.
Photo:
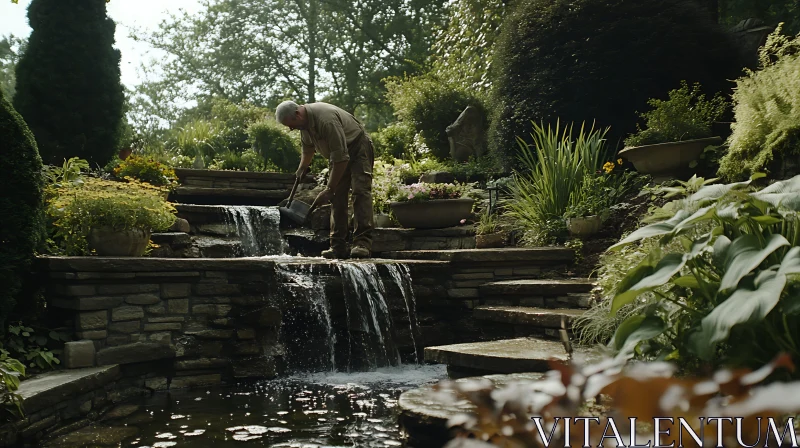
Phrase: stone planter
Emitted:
{"points": [[667, 160], [118, 243], [434, 214], [382, 221], [584, 226], [491, 240]]}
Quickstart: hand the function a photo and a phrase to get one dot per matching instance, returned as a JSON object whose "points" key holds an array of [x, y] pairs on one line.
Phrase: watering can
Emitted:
{"points": [[297, 211]]}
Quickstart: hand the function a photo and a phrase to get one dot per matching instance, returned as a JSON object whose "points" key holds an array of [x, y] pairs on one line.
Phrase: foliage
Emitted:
{"points": [[686, 115], [430, 104], [503, 414], [393, 140], [386, 179], [70, 172], [731, 12], [147, 170], [22, 342], [578, 60], [766, 134], [21, 205], [248, 160], [599, 192], [463, 51], [421, 192], [10, 372], [552, 170], [487, 223], [128, 205], [264, 52], [11, 48], [729, 293], [275, 145], [198, 137], [78, 113]]}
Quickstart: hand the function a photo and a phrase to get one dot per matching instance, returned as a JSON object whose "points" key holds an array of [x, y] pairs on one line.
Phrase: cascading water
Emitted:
{"points": [[258, 228], [307, 286], [402, 278]]}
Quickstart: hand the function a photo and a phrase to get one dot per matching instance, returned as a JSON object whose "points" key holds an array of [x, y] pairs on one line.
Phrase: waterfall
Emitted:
{"points": [[311, 290], [402, 278], [258, 229], [364, 289]]}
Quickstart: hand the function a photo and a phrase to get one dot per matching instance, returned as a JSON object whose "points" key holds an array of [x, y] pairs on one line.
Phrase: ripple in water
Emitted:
{"points": [[309, 410]]}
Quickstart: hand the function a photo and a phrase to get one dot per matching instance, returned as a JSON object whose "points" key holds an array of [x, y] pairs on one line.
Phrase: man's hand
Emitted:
{"points": [[323, 198], [301, 172]]}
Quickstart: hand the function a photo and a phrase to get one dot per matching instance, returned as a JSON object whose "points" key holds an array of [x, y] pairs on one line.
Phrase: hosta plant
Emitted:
{"points": [[729, 293]]}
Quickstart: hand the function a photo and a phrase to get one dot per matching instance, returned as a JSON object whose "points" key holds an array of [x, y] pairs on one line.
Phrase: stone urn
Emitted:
{"points": [[584, 226], [491, 240], [668, 160], [107, 242], [433, 214], [382, 220]]}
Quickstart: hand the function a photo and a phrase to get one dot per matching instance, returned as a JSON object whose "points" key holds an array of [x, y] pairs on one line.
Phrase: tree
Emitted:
{"points": [[68, 81], [772, 12], [21, 204], [265, 51], [11, 48]]}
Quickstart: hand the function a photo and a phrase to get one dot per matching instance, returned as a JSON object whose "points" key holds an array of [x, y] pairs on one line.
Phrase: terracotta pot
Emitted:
{"points": [[382, 221], [490, 240], [584, 226], [434, 214], [667, 160], [118, 243]]}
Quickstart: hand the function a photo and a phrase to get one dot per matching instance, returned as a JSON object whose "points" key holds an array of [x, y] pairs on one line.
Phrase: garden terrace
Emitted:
{"points": [[232, 187]]}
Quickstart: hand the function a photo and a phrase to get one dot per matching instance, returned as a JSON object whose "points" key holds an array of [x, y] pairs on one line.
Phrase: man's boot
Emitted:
{"points": [[332, 254], [359, 252]]}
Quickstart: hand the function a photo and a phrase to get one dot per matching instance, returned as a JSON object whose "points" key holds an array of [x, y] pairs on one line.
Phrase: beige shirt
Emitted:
{"points": [[330, 131]]}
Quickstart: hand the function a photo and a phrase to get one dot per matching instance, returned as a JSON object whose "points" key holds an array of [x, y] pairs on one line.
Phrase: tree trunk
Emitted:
{"points": [[312, 50]]}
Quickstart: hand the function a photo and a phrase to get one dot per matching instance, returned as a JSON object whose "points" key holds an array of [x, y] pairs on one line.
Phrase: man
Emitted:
{"points": [[339, 137]]}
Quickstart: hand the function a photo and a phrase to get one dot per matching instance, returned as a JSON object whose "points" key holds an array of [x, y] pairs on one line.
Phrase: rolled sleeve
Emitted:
{"points": [[337, 143]]}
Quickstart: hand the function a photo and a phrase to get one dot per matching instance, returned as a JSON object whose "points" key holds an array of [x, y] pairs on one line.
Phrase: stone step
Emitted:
{"points": [[52, 388], [228, 196], [503, 356], [543, 256], [528, 316], [424, 411], [535, 288]]}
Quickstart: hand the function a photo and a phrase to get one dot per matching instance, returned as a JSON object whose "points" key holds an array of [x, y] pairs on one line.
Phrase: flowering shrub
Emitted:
{"points": [[421, 191], [129, 205], [147, 170]]}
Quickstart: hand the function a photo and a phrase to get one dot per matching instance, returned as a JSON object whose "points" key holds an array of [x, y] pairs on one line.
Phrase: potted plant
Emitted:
{"points": [[488, 233], [588, 206], [384, 186], [430, 206], [109, 218], [676, 133]]}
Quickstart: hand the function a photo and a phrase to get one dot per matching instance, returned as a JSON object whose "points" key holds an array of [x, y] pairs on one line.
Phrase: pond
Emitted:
{"points": [[330, 409]]}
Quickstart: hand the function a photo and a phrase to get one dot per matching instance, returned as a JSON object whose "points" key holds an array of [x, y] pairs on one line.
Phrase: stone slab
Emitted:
{"points": [[536, 255], [233, 192], [137, 352], [175, 239], [522, 315], [79, 354], [540, 288], [503, 356], [51, 388], [183, 173]]}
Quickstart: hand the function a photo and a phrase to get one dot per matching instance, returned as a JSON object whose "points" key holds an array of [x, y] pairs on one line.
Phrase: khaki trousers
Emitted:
{"points": [[358, 176]]}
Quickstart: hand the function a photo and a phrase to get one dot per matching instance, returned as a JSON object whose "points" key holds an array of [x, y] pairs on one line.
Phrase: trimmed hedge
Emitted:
{"points": [[602, 60], [68, 81], [21, 204]]}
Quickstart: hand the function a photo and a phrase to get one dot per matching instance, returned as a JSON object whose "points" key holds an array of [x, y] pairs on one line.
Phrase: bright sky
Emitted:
{"points": [[127, 14]]}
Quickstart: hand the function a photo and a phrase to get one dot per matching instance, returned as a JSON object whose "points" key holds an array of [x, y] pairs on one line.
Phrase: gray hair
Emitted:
{"points": [[285, 110]]}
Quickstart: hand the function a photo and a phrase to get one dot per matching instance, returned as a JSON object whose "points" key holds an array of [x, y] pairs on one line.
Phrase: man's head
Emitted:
{"points": [[289, 114]]}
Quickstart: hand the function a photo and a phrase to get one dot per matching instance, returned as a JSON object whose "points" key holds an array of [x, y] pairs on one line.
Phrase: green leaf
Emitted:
{"points": [[720, 251], [785, 193], [687, 281], [704, 214], [657, 229], [766, 220], [744, 305], [649, 278], [634, 330], [791, 262], [746, 254], [716, 191]]}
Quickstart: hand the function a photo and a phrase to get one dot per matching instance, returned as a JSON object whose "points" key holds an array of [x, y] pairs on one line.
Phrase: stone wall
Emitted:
{"points": [[234, 179]]}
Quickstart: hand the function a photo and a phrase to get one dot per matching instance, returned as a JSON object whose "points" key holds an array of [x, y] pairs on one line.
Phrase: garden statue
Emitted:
{"points": [[339, 137], [467, 135]]}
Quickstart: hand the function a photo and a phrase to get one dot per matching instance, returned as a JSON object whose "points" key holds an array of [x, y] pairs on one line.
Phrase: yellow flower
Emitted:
{"points": [[608, 167], [619, 161]]}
